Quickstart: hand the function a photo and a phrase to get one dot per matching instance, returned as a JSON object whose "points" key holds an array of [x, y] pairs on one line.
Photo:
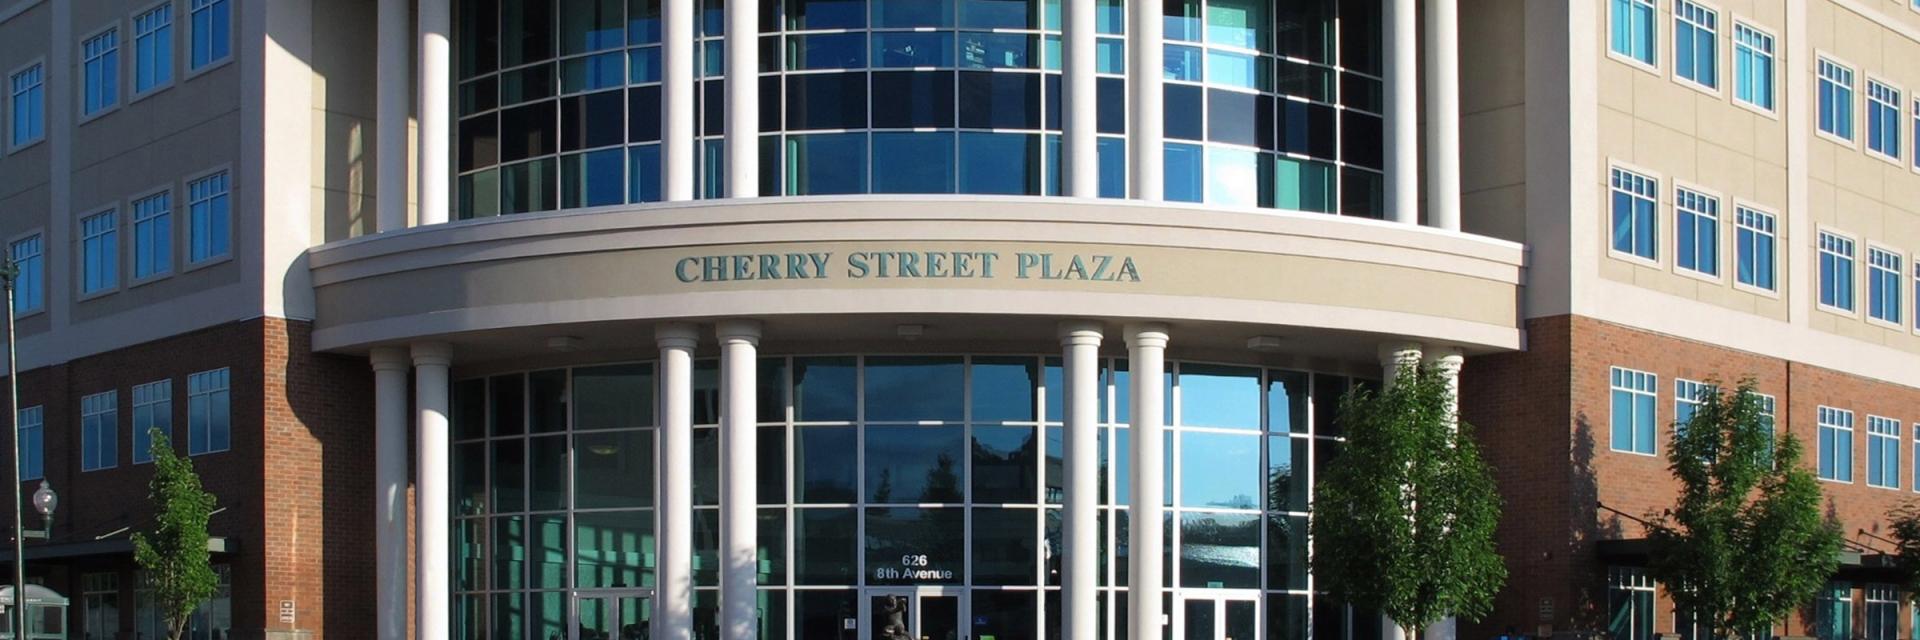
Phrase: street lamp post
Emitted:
{"points": [[9, 273]]}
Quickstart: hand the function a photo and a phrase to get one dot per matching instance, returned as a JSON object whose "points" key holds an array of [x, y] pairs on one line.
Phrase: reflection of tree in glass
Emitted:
{"points": [[943, 482], [1209, 530], [1279, 485], [883, 490]]}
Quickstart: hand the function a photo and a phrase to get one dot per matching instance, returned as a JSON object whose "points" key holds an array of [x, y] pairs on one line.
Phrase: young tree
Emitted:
{"points": [[1747, 541], [1403, 521], [1905, 521], [175, 554]]}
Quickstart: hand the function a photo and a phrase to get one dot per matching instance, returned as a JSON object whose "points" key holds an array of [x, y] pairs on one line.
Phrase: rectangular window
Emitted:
{"points": [[1773, 427], [1696, 232], [1884, 284], [1916, 456], [27, 93], [1754, 248], [1633, 218], [152, 409], [1634, 396], [153, 49], [152, 235], [99, 252], [99, 431], [1688, 397], [32, 443], [101, 64], [1836, 272], [1916, 133], [1836, 99], [1633, 29], [1836, 444], [1833, 614], [1883, 612], [1752, 66], [1696, 44], [211, 41], [99, 605], [1883, 120], [1883, 452], [1629, 604], [208, 430], [208, 217], [29, 289]]}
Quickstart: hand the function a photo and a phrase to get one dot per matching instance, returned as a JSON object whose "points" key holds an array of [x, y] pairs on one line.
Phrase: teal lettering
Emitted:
{"points": [[819, 263], [909, 264], [857, 265], [882, 257], [713, 268], [1100, 267], [1128, 271], [986, 264], [1027, 261], [769, 266], [743, 267], [1046, 267], [1078, 267], [796, 266], [936, 265], [962, 268], [680, 270]]}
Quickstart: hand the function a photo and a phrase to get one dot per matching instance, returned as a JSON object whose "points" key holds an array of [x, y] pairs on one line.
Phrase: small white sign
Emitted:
{"points": [[849, 623], [286, 611]]}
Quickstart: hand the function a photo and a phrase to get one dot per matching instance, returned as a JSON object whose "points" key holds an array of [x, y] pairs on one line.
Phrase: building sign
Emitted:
{"points": [[859, 265]]}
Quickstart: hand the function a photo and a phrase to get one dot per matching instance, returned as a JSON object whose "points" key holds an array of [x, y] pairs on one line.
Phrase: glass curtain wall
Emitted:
{"points": [[886, 471]]}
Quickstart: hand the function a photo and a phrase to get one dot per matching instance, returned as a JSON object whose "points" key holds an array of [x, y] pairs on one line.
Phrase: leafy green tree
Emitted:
{"points": [[175, 554], [1905, 520], [1403, 522], [1747, 541]]}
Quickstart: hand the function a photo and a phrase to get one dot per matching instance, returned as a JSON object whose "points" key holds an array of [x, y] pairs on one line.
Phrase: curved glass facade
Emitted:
{"points": [[931, 479], [1270, 103]]}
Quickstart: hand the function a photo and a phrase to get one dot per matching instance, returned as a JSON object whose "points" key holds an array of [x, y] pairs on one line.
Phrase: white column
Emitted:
{"points": [[432, 486], [1146, 148], [1080, 341], [1146, 360], [743, 99], [1394, 356], [676, 99], [436, 110], [1402, 126], [673, 613], [1443, 114], [1081, 103], [390, 117], [1448, 362], [739, 478], [390, 490]]}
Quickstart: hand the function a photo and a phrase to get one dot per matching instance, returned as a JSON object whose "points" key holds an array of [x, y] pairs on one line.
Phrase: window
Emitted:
{"points": [[1883, 612], [1833, 613], [1836, 272], [152, 409], [152, 235], [1916, 456], [1696, 38], [99, 252], [1773, 427], [1752, 66], [32, 443], [1629, 604], [153, 49], [1633, 29], [1916, 133], [1696, 232], [211, 41], [1688, 397], [27, 92], [1836, 100], [101, 55], [213, 620], [29, 293], [99, 605], [1836, 444], [1754, 248], [1883, 452], [1633, 218], [99, 431], [208, 217], [207, 428], [1883, 120], [1634, 396], [1883, 285]]}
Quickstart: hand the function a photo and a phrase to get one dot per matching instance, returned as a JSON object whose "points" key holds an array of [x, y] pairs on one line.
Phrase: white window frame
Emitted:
{"points": [[1638, 384], [1773, 65], [1768, 410], [1836, 420], [87, 58], [1747, 217], [31, 425], [1653, 38], [1655, 194], [1884, 432], [152, 407], [100, 427], [111, 246], [1853, 259], [201, 387], [138, 219], [1915, 450], [1822, 61], [192, 199], [1717, 16], [1913, 121], [1634, 579], [1877, 90], [172, 71], [1876, 256], [1687, 396], [1683, 195], [38, 66], [37, 278], [193, 32]]}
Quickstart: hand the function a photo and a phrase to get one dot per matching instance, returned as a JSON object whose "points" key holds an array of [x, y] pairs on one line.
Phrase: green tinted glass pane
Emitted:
{"points": [[706, 548], [469, 409], [549, 473], [509, 552], [823, 546], [1003, 546], [547, 401], [549, 614], [615, 549], [507, 404], [509, 481], [916, 546], [706, 466], [469, 554], [614, 470], [613, 397], [547, 552], [772, 540], [470, 478], [509, 616]]}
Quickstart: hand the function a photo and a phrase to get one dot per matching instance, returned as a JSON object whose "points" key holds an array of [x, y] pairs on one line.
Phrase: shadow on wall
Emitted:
{"points": [[1588, 577], [331, 405]]}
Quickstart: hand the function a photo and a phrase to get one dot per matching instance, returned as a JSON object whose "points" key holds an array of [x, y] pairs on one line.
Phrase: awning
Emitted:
{"points": [[94, 548]]}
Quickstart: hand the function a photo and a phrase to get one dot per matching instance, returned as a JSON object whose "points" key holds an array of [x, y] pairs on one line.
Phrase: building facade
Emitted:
{"points": [[584, 319]]}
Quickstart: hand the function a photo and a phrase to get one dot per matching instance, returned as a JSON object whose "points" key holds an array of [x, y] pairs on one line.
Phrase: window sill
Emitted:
{"points": [[1712, 91], [210, 67], [43, 138], [95, 295], [136, 282], [1894, 326], [1838, 311], [207, 262], [90, 118], [1634, 259], [1769, 113], [1633, 62], [1712, 278], [155, 90], [1758, 291], [1836, 139]]}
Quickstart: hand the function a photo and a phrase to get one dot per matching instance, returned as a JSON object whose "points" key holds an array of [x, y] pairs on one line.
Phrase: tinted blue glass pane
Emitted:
{"points": [[998, 14], [1687, 255], [594, 179], [914, 464], [1111, 112], [824, 389], [827, 51], [826, 14], [822, 164], [913, 99], [824, 465], [1110, 17], [982, 50], [1621, 432], [913, 162], [1219, 470], [827, 101], [1240, 118], [938, 534], [999, 101], [914, 389], [1003, 464], [1052, 165], [643, 65], [912, 13], [1184, 105], [1110, 55], [1234, 178], [1287, 401], [1643, 228], [643, 173], [1643, 423], [1233, 69], [1002, 163], [1182, 63], [1303, 185], [1181, 20], [1219, 396], [1184, 177], [913, 49], [1113, 167]]}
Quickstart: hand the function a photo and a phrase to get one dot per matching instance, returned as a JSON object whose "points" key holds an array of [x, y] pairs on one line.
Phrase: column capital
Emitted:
{"points": [[738, 330], [1393, 355], [1147, 334], [1081, 332], [676, 335], [432, 353], [1447, 358], [389, 359]]}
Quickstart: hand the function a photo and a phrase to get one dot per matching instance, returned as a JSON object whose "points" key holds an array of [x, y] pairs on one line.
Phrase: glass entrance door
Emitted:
{"points": [[912, 614], [1214, 616], [611, 615]]}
